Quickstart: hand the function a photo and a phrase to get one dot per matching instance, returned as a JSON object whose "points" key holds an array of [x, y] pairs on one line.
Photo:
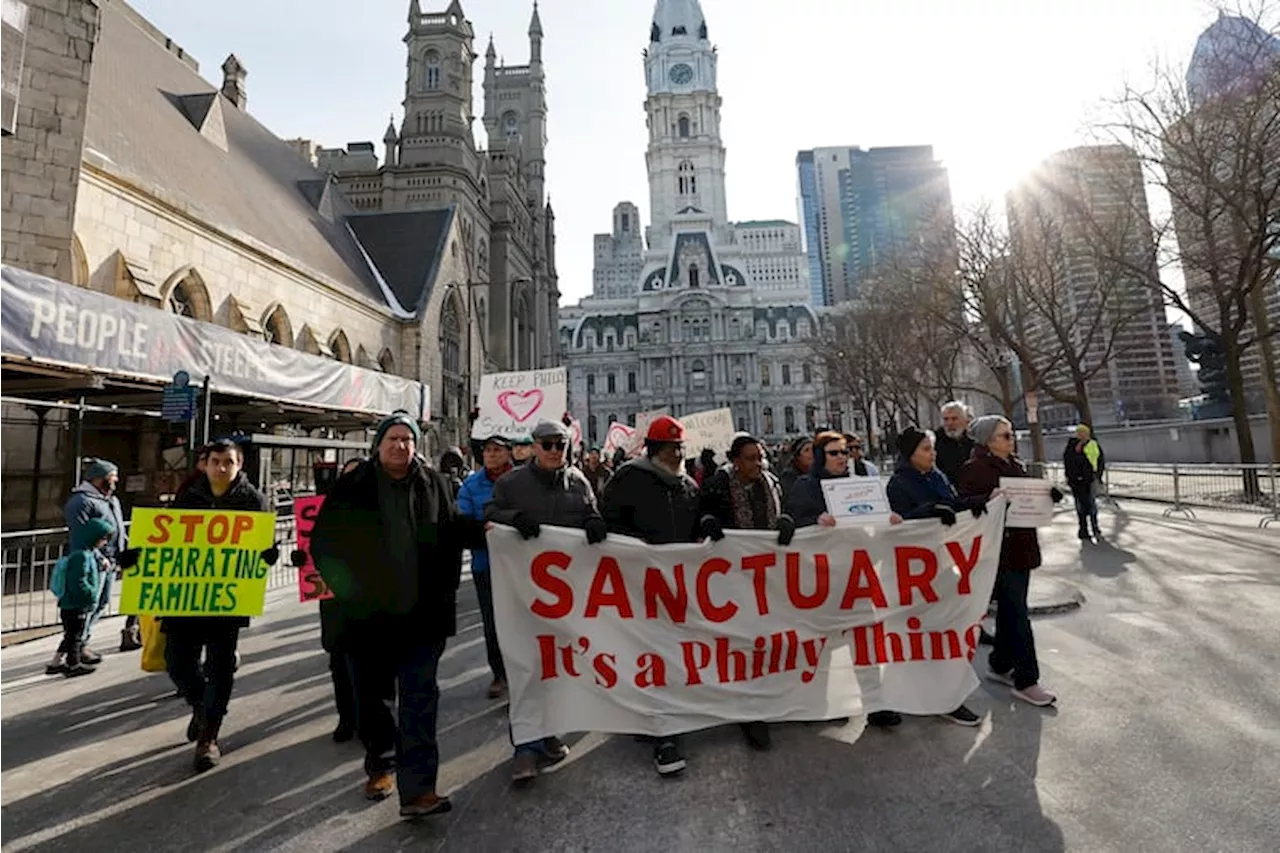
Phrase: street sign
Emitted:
{"points": [[179, 402]]}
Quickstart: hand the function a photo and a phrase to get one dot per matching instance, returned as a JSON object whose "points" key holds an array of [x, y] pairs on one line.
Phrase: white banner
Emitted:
{"points": [[712, 428], [634, 638], [619, 435], [511, 404]]}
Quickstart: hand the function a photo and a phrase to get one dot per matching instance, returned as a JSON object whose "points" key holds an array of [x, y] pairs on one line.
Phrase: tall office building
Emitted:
{"points": [[863, 210], [1052, 250]]}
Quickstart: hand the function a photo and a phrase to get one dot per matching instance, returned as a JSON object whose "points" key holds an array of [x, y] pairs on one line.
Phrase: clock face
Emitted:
{"points": [[680, 74]]}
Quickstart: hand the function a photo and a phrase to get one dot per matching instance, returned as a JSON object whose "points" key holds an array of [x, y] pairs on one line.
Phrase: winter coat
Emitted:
{"points": [[716, 497], [979, 477], [805, 502], [348, 546], [473, 497], [87, 503], [562, 497], [952, 452], [82, 573], [241, 495], [598, 478], [914, 495], [787, 479], [648, 502], [1082, 468]]}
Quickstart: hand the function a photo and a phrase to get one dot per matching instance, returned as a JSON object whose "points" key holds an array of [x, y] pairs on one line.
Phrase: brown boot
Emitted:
{"points": [[426, 805], [207, 753], [497, 688], [379, 786]]}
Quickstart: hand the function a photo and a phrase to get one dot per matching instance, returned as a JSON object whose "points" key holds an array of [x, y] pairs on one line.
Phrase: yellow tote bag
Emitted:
{"points": [[152, 644]]}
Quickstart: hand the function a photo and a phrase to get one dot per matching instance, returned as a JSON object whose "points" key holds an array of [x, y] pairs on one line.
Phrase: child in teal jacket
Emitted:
{"points": [[77, 582]]}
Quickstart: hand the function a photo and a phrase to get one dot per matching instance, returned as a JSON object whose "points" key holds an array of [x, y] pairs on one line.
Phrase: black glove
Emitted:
{"points": [[1056, 494], [129, 558], [298, 558], [945, 514], [527, 527], [596, 529], [271, 556], [979, 510], [711, 528], [786, 529]]}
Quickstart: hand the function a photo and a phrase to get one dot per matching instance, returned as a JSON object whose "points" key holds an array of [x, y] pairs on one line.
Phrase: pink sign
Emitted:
{"points": [[311, 587]]}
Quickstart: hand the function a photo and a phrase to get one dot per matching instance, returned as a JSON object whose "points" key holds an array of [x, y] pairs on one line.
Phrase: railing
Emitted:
{"points": [[1230, 488], [27, 558]]}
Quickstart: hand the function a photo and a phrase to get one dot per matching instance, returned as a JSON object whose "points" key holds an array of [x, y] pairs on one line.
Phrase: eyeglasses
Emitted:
{"points": [[837, 453], [552, 445]]}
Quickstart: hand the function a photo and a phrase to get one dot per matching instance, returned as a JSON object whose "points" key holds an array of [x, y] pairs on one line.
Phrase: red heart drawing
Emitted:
{"points": [[520, 404]]}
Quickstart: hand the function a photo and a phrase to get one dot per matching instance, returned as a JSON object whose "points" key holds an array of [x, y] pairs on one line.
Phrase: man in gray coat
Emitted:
{"points": [[545, 491]]}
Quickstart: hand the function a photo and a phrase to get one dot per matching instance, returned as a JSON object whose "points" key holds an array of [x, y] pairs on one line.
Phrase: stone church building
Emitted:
{"points": [[693, 312], [130, 178]]}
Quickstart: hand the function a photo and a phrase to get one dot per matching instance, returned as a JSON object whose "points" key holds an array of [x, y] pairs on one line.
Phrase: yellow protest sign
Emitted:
{"points": [[205, 562]]}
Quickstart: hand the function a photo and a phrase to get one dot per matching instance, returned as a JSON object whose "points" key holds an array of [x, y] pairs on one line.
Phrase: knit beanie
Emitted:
{"points": [[909, 439], [984, 427], [99, 468], [394, 419]]}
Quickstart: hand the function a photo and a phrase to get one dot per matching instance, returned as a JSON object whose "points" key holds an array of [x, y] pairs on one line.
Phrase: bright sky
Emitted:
{"points": [[993, 85]]}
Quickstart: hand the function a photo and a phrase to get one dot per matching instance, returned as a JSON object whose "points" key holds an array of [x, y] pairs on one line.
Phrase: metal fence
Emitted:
{"points": [[28, 558], [1253, 489]]}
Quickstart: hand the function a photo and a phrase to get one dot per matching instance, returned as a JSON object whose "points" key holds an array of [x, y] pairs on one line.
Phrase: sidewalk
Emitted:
{"points": [[1165, 740]]}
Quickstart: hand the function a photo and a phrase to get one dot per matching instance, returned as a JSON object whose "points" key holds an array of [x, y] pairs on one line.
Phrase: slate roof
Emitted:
{"points": [[138, 128], [406, 248]]}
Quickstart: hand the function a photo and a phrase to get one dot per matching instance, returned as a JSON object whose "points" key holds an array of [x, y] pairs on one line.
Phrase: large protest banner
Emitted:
{"points": [[311, 586], [634, 638], [511, 404], [198, 562]]}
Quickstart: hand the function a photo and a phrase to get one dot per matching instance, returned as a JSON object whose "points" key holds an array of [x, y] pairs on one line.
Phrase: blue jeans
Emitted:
{"points": [[386, 678], [104, 601]]}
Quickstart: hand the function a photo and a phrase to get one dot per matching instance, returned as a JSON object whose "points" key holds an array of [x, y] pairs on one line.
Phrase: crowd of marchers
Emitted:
{"points": [[391, 536]]}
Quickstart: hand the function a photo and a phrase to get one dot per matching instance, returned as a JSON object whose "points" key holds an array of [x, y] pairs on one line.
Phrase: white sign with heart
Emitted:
{"points": [[512, 404]]}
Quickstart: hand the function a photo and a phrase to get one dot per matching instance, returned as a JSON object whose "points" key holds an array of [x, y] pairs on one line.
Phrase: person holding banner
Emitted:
{"points": [[473, 497], [918, 489], [651, 498], [207, 689], [388, 541], [546, 491], [1013, 656], [747, 497]]}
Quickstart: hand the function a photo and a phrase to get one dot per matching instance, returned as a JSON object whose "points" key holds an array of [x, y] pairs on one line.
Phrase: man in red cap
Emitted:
{"points": [[652, 499]]}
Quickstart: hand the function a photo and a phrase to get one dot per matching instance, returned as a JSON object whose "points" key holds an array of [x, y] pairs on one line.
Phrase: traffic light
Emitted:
{"points": [[1206, 351]]}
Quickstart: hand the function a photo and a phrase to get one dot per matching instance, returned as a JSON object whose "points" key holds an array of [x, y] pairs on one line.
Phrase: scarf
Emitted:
{"points": [[755, 505]]}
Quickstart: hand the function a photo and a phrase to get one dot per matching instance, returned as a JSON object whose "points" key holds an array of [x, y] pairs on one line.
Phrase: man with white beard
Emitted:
{"points": [[953, 443]]}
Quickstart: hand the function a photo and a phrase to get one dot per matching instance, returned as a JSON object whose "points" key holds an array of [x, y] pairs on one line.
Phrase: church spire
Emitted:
{"points": [[535, 22], [415, 12], [535, 37]]}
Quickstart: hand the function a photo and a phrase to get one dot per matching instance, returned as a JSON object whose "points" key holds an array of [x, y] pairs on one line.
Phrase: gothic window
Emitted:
{"points": [[591, 383], [699, 375], [276, 328], [340, 347], [451, 338], [768, 420], [432, 63], [789, 419], [686, 180], [807, 370], [764, 374], [611, 382], [631, 382], [387, 361], [683, 127], [786, 374], [693, 275], [188, 297]]}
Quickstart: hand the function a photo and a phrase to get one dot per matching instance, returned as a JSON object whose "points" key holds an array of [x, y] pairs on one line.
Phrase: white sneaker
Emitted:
{"points": [[1035, 695], [1005, 678]]}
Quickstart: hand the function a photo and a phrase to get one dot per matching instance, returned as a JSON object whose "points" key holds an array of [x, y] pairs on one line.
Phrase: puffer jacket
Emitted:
{"points": [[473, 497], [80, 580], [562, 497], [87, 503], [913, 494], [650, 503]]}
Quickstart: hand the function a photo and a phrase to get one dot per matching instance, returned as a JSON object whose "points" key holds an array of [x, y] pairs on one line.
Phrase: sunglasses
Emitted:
{"points": [[552, 445], [837, 453]]}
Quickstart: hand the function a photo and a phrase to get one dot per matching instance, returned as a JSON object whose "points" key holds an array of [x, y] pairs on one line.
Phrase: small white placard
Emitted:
{"points": [[856, 500], [1030, 504]]}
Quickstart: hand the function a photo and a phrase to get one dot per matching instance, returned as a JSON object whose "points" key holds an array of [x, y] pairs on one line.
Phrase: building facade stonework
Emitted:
{"points": [[700, 312]]}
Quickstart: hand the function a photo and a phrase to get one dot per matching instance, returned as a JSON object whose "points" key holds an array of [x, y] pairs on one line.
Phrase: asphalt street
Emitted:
{"points": [[1167, 737]]}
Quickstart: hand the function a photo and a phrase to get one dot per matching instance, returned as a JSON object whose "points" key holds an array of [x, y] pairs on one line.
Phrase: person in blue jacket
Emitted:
{"points": [[473, 496], [77, 582]]}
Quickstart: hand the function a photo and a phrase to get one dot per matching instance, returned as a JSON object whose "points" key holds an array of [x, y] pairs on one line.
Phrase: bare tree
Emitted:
{"points": [[1213, 148]]}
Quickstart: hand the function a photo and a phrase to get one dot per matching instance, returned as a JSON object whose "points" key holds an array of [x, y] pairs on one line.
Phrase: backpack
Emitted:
{"points": [[58, 580]]}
